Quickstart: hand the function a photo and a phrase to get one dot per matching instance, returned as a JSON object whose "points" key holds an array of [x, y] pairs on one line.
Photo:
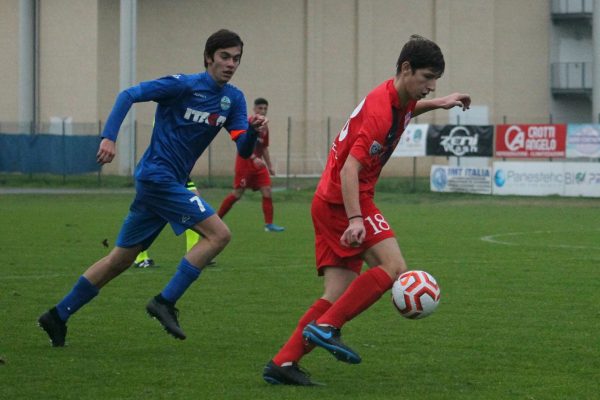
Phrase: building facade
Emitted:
{"points": [[313, 60]]}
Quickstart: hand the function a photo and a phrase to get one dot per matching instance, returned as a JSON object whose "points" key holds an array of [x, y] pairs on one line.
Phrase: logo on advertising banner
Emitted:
{"points": [[583, 140], [524, 141], [582, 179], [412, 141], [529, 178], [500, 178], [439, 179], [543, 178], [461, 179], [460, 140]]}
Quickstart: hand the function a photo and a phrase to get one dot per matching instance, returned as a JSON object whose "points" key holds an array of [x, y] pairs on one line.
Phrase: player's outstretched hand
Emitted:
{"points": [[106, 151], [259, 122], [462, 100]]}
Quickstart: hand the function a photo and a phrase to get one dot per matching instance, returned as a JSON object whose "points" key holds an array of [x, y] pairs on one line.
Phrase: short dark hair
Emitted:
{"points": [[421, 53], [221, 39], [261, 100]]}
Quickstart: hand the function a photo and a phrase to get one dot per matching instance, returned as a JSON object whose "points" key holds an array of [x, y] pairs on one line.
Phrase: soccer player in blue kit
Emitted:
{"points": [[191, 110]]}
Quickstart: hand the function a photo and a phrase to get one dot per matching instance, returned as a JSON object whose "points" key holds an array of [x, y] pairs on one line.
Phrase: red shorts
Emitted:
{"points": [[251, 178], [330, 221]]}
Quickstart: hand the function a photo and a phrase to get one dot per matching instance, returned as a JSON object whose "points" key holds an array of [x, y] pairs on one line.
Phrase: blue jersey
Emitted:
{"points": [[190, 112]]}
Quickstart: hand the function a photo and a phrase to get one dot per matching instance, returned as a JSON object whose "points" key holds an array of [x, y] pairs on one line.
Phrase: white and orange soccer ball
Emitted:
{"points": [[415, 294]]}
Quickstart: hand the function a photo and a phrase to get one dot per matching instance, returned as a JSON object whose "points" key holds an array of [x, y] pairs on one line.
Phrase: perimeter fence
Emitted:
{"points": [[298, 150]]}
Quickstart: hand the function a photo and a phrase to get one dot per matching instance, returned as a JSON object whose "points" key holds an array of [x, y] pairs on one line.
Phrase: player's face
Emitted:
{"points": [[224, 63], [261, 109], [418, 83]]}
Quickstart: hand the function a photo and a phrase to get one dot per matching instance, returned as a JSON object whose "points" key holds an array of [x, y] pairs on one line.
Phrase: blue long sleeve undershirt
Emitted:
{"points": [[123, 104], [246, 141]]}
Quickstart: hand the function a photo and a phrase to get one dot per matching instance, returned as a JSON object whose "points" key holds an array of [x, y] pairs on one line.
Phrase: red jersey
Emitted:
{"points": [[262, 142], [370, 135]]}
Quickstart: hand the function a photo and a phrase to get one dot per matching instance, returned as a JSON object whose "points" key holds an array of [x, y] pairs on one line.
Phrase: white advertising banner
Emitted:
{"points": [[582, 179], [412, 142], [445, 178], [583, 140], [547, 178], [528, 178]]}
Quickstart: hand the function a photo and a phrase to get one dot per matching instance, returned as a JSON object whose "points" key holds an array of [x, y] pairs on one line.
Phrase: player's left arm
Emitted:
{"points": [[245, 140], [462, 100], [267, 159], [244, 133]]}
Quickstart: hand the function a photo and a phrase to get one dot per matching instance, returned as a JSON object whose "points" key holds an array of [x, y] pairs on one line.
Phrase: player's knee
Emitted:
{"points": [[222, 238], [395, 268]]}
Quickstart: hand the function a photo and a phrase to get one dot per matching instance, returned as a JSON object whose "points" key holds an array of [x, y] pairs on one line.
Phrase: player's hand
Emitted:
{"points": [[106, 151], [259, 162], [271, 171], [354, 234], [259, 122], [462, 100]]}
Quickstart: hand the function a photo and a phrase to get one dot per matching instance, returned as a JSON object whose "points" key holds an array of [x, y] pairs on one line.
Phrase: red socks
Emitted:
{"points": [[295, 347], [267, 206], [360, 295], [228, 202]]}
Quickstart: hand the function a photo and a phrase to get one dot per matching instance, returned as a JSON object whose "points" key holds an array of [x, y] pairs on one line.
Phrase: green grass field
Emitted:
{"points": [[519, 316]]}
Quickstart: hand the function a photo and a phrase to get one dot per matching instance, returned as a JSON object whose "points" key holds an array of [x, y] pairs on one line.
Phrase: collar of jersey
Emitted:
{"points": [[212, 84]]}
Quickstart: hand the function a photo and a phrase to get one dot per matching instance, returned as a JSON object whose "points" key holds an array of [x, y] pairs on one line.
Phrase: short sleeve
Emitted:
{"points": [[371, 133]]}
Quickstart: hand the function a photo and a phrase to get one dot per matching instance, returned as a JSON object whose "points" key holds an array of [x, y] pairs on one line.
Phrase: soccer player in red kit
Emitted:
{"points": [[254, 172], [349, 228]]}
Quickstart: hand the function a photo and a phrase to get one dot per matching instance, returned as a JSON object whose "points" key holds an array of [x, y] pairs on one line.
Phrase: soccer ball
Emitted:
{"points": [[415, 294]]}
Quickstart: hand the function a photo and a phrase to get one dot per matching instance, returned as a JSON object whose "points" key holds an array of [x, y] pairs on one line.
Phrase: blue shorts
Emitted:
{"points": [[154, 205]]}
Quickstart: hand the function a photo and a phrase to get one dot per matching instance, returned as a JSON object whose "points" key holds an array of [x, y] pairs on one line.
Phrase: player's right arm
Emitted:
{"points": [[355, 232], [160, 90]]}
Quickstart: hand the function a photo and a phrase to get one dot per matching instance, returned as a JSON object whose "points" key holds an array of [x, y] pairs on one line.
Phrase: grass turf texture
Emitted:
{"points": [[517, 320]]}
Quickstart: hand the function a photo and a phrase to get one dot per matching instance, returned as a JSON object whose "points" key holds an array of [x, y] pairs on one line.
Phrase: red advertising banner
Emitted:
{"points": [[529, 141]]}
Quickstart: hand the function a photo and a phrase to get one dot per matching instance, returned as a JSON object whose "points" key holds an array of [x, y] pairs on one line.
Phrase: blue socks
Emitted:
{"points": [[81, 294], [183, 278], [84, 291]]}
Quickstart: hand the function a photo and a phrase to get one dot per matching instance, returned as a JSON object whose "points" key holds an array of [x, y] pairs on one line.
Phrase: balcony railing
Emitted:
{"points": [[572, 8], [571, 77]]}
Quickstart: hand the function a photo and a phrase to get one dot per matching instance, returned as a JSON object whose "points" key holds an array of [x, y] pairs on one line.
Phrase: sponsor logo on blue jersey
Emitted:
{"points": [[202, 117]]}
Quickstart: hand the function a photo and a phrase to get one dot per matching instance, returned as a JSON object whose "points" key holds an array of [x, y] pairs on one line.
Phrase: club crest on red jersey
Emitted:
{"points": [[375, 149]]}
